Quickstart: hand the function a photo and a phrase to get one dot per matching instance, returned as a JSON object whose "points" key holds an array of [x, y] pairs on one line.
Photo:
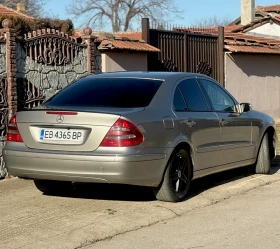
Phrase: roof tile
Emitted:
{"points": [[11, 12], [237, 41], [126, 45], [269, 8], [120, 41], [252, 49]]}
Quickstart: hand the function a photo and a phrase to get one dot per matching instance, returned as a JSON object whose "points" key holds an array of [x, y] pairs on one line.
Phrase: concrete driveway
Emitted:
{"points": [[29, 219]]}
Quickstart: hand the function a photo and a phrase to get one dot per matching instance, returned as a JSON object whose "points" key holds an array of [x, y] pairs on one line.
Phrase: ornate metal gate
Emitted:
{"points": [[3, 108], [29, 96]]}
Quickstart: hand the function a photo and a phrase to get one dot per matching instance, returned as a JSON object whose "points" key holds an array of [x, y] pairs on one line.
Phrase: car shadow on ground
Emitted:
{"points": [[118, 192]]}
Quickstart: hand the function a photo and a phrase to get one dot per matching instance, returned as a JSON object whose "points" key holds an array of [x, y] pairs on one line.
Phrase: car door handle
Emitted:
{"points": [[190, 123], [223, 122]]}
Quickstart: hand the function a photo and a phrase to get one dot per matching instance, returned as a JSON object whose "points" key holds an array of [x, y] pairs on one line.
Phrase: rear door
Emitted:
{"points": [[200, 124], [236, 144]]}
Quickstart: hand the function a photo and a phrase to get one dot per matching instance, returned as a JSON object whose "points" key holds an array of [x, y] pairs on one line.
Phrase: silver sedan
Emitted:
{"points": [[140, 128]]}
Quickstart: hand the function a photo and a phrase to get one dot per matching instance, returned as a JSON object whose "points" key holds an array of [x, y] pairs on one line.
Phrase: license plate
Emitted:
{"points": [[61, 135]]}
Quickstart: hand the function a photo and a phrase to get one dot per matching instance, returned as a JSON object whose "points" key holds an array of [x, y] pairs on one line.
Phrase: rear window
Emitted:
{"points": [[107, 92]]}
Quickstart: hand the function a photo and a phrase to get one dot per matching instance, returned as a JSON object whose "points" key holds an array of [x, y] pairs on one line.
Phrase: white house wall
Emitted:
{"points": [[114, 61], [255, 79], [266, 30]]}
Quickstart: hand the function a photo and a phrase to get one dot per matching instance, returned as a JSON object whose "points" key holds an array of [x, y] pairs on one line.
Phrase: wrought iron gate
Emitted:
{"points": [[3, 108], [29, 96]]}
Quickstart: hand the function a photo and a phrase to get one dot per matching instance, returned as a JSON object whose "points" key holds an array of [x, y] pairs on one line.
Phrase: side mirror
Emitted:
{"points": [[246, 107]]}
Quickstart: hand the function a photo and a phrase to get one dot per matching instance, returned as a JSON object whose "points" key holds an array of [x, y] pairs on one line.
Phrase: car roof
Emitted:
{"points": [[145, 75]]}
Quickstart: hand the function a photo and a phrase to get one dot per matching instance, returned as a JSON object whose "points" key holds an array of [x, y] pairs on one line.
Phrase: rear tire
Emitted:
{"points": [[263, 164], [177, 178], [49, 186]]}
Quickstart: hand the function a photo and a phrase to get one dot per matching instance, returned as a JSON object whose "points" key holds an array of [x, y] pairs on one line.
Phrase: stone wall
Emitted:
{"points": [[3, 72], [50, 78]]}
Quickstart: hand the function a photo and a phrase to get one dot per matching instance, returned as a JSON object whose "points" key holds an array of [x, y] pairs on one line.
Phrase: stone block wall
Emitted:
{"points": [[3, 72], [50, 78]]}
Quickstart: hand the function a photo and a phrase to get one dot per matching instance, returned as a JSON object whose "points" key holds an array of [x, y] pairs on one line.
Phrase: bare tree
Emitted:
{"points": [[33, 7], [212, 21], [121, 14]]}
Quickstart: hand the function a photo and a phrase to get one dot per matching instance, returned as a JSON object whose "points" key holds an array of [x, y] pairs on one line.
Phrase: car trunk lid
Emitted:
{"points": [[64, 130]]}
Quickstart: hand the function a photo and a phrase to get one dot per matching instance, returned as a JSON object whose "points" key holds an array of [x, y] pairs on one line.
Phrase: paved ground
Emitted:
{"points": [[247, 221], [29, 219]]}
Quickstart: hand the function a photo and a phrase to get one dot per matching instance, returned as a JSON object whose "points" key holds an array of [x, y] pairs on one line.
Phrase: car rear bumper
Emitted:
{"points": [[142, 170]]}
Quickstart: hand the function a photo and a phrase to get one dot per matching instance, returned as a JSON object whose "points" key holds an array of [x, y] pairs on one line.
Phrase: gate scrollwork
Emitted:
{"points": [[51, 47], [29, 96], [3, 107]]}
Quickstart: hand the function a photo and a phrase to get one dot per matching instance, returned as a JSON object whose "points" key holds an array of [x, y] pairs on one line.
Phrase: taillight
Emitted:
{"points": [[13, 134], [123, 133]]}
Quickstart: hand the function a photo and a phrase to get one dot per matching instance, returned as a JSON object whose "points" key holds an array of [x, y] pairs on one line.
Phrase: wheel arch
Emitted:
{"points": [[272, 141], [186, 146]]}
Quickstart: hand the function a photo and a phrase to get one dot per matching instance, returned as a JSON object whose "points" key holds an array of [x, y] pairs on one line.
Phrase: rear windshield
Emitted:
{"points": [[107, 92]]}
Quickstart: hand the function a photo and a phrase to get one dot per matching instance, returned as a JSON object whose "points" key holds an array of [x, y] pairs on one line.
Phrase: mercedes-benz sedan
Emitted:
{"points": [[151, 129]]}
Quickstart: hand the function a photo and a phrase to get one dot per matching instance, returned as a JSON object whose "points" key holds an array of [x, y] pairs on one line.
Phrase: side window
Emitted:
{"points": [[193, 95], [178, 101], [221, 101]]}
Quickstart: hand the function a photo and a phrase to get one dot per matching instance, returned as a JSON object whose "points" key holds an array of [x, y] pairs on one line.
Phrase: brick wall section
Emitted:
{"points": [[90, 57], [94, 55], [11, 71]]}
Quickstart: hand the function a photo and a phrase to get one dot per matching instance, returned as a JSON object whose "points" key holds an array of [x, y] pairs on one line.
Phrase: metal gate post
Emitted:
{"points": [[221, 58]]}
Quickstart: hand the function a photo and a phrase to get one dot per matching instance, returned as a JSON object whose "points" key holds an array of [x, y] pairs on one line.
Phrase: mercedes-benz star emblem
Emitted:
{"points": [[59, 119]]}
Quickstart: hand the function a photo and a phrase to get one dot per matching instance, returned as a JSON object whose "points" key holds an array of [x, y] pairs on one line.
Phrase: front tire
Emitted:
{"points": [[263, 164], [48, 186], [177, 178]]}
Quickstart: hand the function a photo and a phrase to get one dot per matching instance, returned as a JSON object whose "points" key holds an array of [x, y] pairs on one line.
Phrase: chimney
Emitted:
{"points": [[21, 7], [247, 11]]}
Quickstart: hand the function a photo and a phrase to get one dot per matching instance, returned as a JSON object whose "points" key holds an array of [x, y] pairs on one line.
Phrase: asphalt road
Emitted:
{"points": [[250, 220], [29, 219]]}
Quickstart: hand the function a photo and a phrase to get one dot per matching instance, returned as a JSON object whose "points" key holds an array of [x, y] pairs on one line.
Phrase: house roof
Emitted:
{"points": [[11, 12], [247, 27], [242, 43], [133, 35], [238, 42], [258, 15], [210, 30], [255, 24], [269, 8], [119, 44], [129, 41], [262, 11]]}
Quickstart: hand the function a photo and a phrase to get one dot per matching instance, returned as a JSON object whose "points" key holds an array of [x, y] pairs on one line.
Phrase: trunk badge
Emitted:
{"points": [[59, 119]]}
